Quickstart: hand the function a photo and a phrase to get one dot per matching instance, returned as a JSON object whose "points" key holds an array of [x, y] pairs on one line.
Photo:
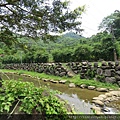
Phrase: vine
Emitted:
{"points": [[29, 99]]}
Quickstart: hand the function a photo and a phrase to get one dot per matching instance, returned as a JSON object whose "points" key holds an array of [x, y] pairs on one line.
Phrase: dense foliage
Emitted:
{"points": [[29, 99], [64, 49], [111, 23], [37, 18]]}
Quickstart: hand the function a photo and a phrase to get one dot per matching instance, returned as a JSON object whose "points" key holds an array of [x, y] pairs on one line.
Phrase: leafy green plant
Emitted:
{"points": [[30, 99]]}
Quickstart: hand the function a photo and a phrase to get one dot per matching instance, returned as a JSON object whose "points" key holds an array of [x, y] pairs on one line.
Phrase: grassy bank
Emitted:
{"points": [[76, 79]]}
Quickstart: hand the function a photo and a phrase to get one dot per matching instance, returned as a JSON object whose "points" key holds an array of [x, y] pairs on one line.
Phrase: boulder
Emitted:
{"points": [[110, 80], [51, 80], [69, 74], [62, 74], [104, 63], [99, 71], [62, 81], [108, 94], [84, 63], [45, 80], [99, 113], [102, 89], [98, 102], [83, 86], [106, 109], [115, 93], [98, 98], [71, 85], [91, 87], [96, 108], [102, 96], [118, 72], [54, 81], [118, 67], [95, 64], [118, 82], [111, 64], [108, 99], [107, 73], [116, 63]]}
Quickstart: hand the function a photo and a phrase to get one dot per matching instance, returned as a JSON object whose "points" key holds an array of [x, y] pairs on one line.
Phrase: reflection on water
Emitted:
{"points": [[79, 105], [79, 99]]}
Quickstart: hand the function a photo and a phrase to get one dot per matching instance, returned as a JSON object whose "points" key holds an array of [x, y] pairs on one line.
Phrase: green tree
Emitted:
{"points": [[66, 55], [35, 18], [111, 24], [41, 56], [107, 50], [83, 52]]}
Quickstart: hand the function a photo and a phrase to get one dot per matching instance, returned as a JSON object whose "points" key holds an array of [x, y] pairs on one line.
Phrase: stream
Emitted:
{"points": [[79, 99]]}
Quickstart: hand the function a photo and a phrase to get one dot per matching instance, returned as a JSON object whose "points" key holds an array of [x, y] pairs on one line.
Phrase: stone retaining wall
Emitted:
{"points": [[48, 68], [107, 72]]}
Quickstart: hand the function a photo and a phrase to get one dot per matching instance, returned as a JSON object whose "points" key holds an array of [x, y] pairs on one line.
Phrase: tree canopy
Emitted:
{"points": [[111, 23], [36, 18]]}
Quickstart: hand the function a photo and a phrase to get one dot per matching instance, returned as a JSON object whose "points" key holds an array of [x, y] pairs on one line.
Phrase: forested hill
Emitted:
{"points": [[72, 35], [69, 39]]}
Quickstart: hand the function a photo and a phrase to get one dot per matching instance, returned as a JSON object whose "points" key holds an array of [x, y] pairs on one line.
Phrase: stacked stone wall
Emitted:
{"points": [[108, 72]]}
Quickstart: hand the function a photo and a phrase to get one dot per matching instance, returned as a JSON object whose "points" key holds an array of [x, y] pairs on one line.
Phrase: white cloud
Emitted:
{"points": [[96, 10]]}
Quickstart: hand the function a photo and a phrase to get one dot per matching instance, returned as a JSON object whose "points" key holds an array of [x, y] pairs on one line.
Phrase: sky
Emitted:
{"points": [[96, 10]]}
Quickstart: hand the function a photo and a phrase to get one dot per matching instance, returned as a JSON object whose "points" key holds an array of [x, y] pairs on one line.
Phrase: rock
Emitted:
{"points": [[96, 108], [108, 94], [109, 99], [116, 63], [51, 80], [99, 71], [62, 81], [69, 74], [98, 98], [104, 63], [54, 81], [102, 96], [99, 113], [110, 89], [118, 72], [111, 64], [102, 89], [105, 109], [71, 85], [91, 87], [118, 83], [46, 80], [62, 74], [118, 67], [84, 63], [115, 93], [117, 77], [107, 73], [110, 80], [98, 102], [95, 64], [106, 102], [114, 98], [83, 86]]}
